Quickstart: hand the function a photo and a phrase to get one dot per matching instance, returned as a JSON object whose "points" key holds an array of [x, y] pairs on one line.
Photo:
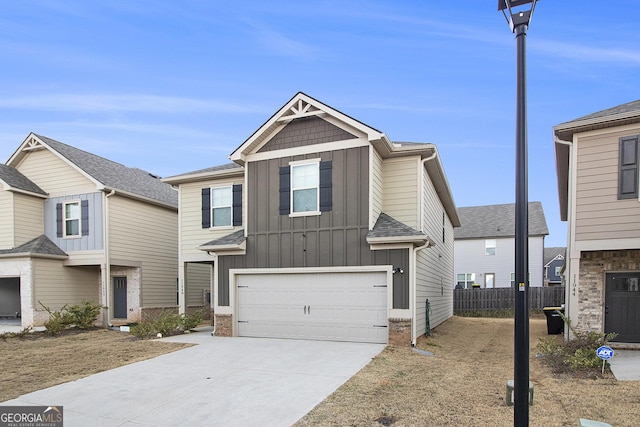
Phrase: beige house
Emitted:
{"points": [[75, 226], [598, 179], [320, 228]]}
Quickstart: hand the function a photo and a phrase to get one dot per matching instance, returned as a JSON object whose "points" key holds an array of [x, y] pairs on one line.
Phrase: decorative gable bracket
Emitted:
{"points": [[33, 144], [299, 110]]}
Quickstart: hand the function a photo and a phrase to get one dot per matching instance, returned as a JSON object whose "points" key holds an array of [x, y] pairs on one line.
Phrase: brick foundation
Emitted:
{"points": [[150, 313], [224, 325], [400, 332], [205, 312]]}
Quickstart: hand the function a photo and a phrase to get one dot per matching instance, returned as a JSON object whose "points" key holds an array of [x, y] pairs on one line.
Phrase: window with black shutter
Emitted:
{"points": [[628, 168]]}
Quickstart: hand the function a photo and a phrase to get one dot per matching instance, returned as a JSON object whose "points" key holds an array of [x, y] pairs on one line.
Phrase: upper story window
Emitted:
{"points": [[558, 270], [306, 188], [222, 206], [72, 218], [490, 247]]}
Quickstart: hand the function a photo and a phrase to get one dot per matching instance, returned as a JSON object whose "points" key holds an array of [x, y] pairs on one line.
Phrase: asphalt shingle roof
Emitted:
{"points": [[15, 179], [551, 253], [498, 221], [40, 245], [235, 238], [115, 175], [619, 109], [226, 166], [387, 226]]}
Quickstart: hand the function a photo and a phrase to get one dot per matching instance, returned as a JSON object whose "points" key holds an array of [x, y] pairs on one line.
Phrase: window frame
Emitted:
{"points": [[212, 190], [66, 219], [293, 188], [487, 247], [469, 280]]}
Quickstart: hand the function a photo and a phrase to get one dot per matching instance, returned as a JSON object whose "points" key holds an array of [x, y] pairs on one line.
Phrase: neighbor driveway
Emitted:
{"points": [[220, 381]]}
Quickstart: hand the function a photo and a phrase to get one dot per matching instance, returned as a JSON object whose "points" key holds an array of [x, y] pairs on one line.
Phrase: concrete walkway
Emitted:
{"points": [[625, 365], [220, 381]]}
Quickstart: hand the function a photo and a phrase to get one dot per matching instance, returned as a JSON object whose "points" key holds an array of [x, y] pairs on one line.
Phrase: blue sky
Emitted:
{"points": [[176, 86]]}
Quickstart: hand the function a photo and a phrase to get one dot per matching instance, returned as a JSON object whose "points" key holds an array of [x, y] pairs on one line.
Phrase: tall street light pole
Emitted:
{"points": [[518, 14]]}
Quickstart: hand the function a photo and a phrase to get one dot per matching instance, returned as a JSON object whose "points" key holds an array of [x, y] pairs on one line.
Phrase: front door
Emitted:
{"points": [[120, 297], [622, 306], [489, 280]]}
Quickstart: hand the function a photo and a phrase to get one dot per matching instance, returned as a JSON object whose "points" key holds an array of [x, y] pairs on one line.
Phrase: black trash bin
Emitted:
{"points": [[555, 324]]}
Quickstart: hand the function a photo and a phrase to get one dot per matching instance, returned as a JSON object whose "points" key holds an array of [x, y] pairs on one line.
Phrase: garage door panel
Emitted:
{"points": [[324, 306]]}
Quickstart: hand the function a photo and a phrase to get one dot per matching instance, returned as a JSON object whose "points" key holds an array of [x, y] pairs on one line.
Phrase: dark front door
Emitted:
{"points": [[120, 297], [622, 306]]}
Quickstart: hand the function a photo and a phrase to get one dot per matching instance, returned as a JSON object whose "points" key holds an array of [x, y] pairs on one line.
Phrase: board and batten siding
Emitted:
{"points": [[377, 187], [401, 185], [94, 241], [54, 175], [6, 220], [434, 269], [192, 233], [28, 214], [146, 234], [58, 285], [599, 215]]}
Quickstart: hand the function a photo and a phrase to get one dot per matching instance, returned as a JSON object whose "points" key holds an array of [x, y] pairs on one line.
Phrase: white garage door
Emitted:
{"points": [[321, 306]]}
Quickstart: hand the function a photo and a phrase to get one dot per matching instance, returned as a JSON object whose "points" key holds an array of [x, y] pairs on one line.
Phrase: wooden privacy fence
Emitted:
{"points": [[466, 300]]}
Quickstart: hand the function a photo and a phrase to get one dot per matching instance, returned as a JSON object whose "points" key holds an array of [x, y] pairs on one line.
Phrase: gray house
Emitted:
{"points": [[75, 226], [485, 246], [553, 263], [320, 228]]}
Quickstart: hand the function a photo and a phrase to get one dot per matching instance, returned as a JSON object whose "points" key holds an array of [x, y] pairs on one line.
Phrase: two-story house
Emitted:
{"points": [[75, 226], [597, 170], [320, 228], [485, 246], [553, 263]]}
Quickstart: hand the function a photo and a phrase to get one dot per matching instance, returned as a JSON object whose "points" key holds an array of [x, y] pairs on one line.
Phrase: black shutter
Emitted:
{"points": [[206, 207], [628, 168], [285, 189], [59, 220], [237, 204], [326, 193], [84, 215]]}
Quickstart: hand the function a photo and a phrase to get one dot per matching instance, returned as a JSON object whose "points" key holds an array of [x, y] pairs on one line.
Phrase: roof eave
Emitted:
{"points": [[195, 177], [140, 198], [224, 248], [33, 255]]}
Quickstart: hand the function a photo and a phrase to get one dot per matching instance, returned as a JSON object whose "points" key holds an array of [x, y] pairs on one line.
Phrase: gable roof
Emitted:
{"points": [[491, 221], [16, 181], [552, 253], [620, 115], [106, 173], [41, 245], [390, 230]]}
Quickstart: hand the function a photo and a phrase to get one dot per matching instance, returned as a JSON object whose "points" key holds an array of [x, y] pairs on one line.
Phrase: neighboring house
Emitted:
{"points": [[75, 226], [485, 246], [597, 169], [553, 262], [321, 228]]}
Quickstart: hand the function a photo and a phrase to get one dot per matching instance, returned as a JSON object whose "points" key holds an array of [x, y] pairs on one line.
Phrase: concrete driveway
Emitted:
{"points": [[220, 381]]}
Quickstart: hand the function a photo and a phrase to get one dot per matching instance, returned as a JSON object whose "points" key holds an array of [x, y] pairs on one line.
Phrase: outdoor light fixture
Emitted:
{"points": [[518, 14]]}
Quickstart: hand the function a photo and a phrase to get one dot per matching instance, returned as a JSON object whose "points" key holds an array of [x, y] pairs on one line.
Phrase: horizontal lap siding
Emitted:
{"points": [[139, 232], [193, 235], [57, 285], [6, 220], [400, 189], [53, 174], [376, 185], [599, 214], [28, 218], [198, 280]]}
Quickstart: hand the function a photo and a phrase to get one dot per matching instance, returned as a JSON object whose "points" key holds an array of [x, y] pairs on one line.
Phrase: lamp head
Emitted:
{"points": [[517, 12]]}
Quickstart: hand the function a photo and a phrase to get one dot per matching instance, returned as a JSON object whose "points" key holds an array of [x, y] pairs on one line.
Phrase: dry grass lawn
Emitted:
{"points": [[462, 384]]}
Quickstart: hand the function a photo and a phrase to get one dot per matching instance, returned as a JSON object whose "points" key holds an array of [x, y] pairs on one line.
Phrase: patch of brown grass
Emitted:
{"points": [[38, 361], [464, 384]]}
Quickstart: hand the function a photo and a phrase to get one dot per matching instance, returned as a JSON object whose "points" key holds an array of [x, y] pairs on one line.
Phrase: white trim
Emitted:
{"points": [[212, 188], [597, 120], [307, 149], [65, 219], [292, 189]]}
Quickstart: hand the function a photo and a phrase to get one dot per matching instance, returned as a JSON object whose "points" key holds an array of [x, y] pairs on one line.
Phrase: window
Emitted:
{"points": [[305, 187], [465, 280], [221, 207], [628, 168], [489, 280], [72, 219], [558, 268], [490, 247]]}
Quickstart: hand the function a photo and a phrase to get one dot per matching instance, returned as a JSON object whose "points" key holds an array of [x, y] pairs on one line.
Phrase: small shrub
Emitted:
{"points": [[143, 330], [577, 354], [167, 323], [58, 320], [189, 322], [84, 315]]}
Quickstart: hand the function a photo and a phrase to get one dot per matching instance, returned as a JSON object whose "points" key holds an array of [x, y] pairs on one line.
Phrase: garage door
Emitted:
{"points": [[320, 306]]}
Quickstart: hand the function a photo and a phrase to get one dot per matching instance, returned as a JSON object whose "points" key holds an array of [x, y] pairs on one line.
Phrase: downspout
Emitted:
{"points": [[106, 294], [414, 258]]}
